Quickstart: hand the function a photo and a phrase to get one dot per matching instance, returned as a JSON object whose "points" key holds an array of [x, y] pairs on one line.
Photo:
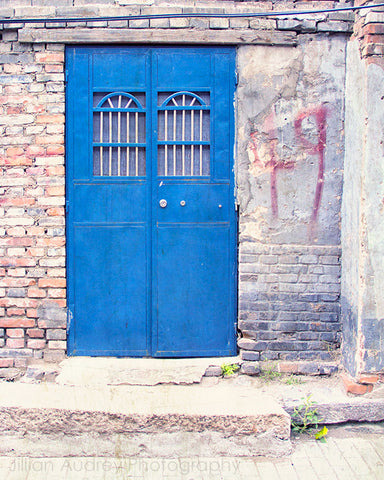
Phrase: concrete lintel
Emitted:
{"points": [[126, 35]]}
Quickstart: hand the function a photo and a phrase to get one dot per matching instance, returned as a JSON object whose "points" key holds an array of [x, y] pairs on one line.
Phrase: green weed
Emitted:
{"points": [[293, 380], [305, 419], [268, 371], [228, 369]]}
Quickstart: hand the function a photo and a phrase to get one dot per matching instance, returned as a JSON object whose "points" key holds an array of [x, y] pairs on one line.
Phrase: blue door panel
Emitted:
{"points": [[78, 102], [108, 203], [112, 69], [151, 248], [221, 119], [203, 203], [110, 284], [193, 296], [180, 68]]}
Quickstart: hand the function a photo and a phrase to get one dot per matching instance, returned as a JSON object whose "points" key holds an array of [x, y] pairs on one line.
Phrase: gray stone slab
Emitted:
{"points": [[136, 371], [359, 411], [122, 35]]}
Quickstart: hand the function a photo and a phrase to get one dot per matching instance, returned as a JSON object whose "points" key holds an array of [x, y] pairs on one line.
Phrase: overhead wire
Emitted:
{"points": [[7, 21]]}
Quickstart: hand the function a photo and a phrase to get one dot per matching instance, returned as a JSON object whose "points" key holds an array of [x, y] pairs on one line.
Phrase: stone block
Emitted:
{"points": [[250, 356], [213, 371], [219, 23], [250, 368], [335, 26], [289, 24], [262, 24], [179, 22]]}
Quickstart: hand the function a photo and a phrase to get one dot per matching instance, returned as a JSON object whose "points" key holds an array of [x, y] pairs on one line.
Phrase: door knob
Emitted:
{"points": [[163, 203]]}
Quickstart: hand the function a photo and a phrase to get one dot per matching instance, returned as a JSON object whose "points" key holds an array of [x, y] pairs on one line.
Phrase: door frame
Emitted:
{"points": [[233, 301]]}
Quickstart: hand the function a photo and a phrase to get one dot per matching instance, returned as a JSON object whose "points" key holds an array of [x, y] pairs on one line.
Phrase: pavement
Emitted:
{"points": [[96, 421], [351, 452]]}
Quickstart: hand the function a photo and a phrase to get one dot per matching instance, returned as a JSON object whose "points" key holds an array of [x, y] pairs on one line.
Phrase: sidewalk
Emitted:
{"points": [[109, 419], [352, 452]]}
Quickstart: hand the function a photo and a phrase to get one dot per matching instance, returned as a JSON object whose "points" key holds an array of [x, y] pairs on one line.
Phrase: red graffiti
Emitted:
{"points": [[274, 163], [320, 114], [271, 161]]}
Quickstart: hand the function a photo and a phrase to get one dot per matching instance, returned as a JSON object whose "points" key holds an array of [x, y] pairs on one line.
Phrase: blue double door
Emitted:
{"points": [[151, 222]]}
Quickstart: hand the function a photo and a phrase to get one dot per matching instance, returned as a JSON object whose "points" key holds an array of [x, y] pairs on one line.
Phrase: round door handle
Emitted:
{"points": [[163, 203]]}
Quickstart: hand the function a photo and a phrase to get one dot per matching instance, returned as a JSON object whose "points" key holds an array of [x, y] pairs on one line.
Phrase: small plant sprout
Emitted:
{"points": [[269, 371], [229, 369], [305, 419], [293, 380]]}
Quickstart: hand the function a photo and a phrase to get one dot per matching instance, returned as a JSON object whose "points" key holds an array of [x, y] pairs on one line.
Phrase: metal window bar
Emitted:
{"points": [[188, 152], [114, 122]]}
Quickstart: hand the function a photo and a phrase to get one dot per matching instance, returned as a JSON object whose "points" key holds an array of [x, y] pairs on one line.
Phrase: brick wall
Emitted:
{"points": [[32, 184], [289, 302]]}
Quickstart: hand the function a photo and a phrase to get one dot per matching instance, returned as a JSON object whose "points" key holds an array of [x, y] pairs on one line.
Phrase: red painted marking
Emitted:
{"points": [[320, 115], [274, 163]]}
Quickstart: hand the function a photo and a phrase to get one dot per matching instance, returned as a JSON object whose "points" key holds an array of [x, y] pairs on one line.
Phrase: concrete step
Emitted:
{"points": [[164, 420]]}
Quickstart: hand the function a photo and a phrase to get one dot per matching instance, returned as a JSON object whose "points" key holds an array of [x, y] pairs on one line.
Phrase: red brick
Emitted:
{"points": [[15, 231], [17, 201], [2, 272], [55, 212], [33, 231], [53, 118], [36, 344], [36, 332], [36, 252], [374, 39], [288, 367], [55, 191], [15, 342], [368, 378], [60, 302], [17, 322], [15, 161], [32, 313], [17, 241], [15, 281], [52, 68], [55, 150], [48, 139], [55, 171], [15, 110], [16, 272], [35, 292], [46, 57], [17, 262], [35, 150], [6, 362], [18, 302], [373, 29], [15, 151], [351, 386], [15, 311], [57, 292], [15, 332], [52, 282], [50, 242]]}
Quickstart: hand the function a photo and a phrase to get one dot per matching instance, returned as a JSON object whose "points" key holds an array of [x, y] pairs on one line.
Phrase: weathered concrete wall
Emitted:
{"points": [[363, 205], [354, 132], [289, 180]]}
